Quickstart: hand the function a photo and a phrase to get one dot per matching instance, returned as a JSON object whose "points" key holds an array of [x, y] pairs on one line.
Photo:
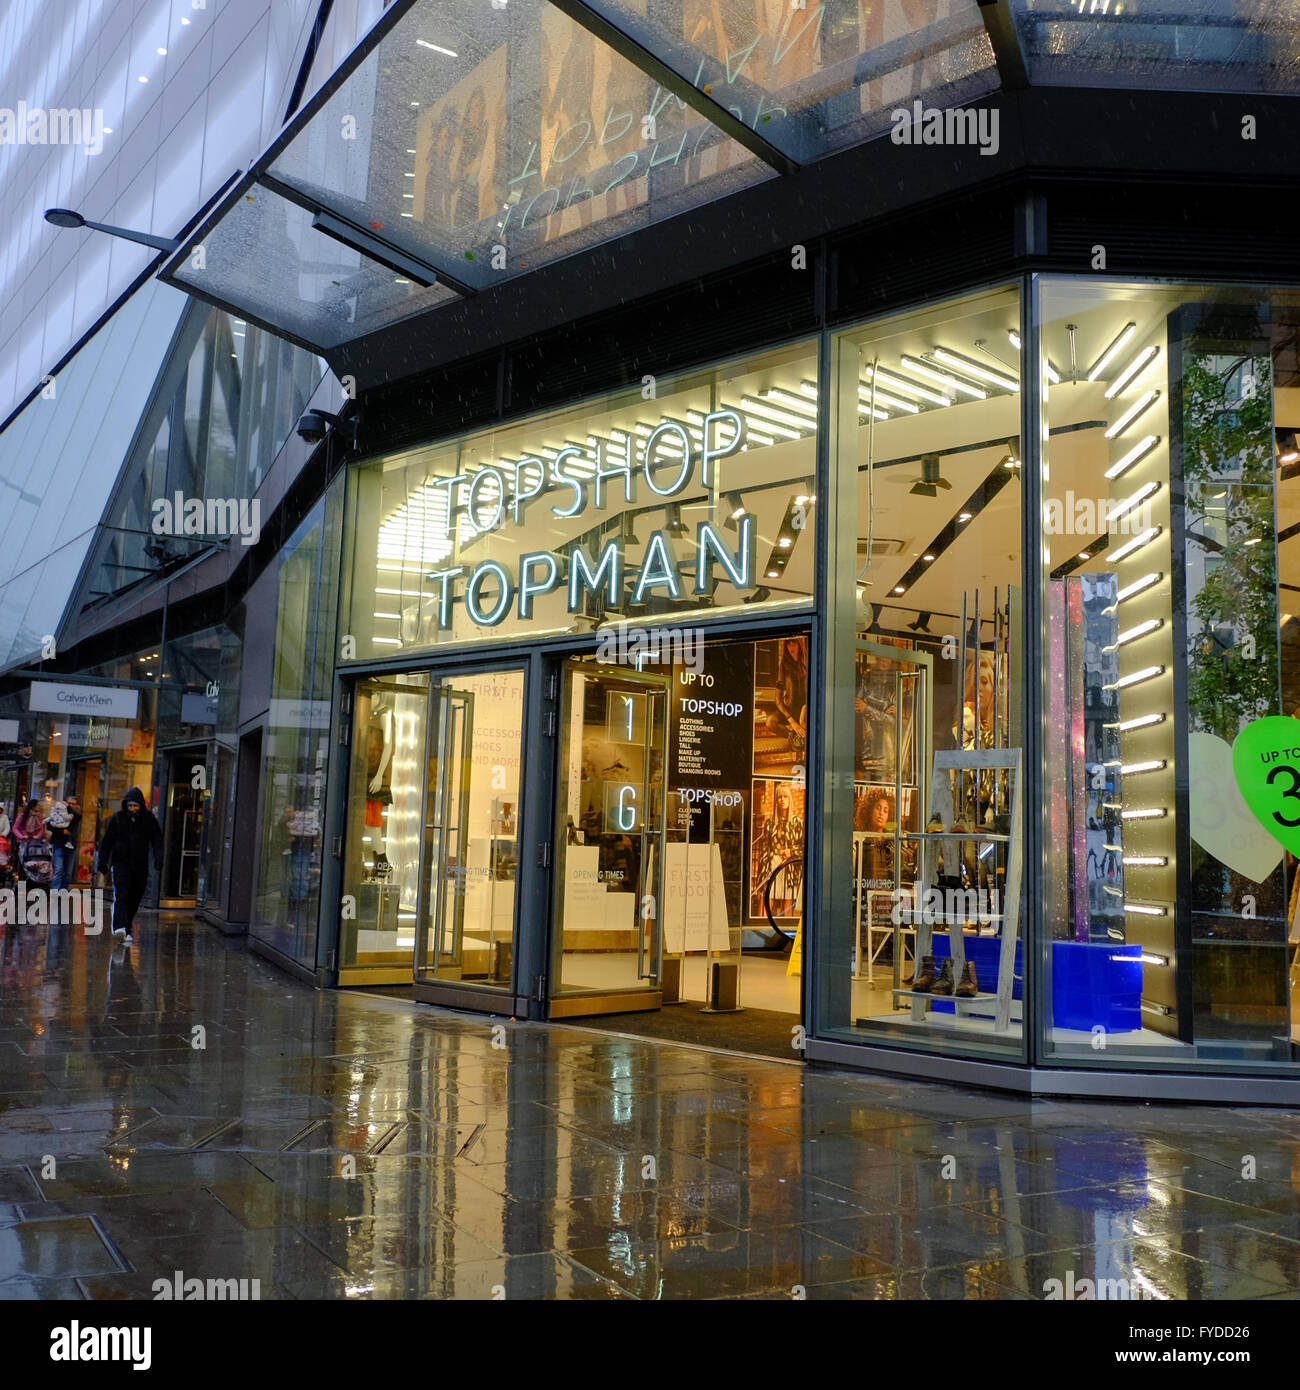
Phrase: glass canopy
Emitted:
{"points": [[465, 143], [1203, 45]]}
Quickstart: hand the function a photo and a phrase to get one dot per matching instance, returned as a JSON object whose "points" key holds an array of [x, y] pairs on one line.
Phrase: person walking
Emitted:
{"points": [[74, 836], [62, 846], [132, 838], [5, 827]]}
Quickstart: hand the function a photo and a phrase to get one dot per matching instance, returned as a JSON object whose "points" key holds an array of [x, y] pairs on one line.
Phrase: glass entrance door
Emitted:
{"points": [[473, 761], [607, 941], [431, 855]]}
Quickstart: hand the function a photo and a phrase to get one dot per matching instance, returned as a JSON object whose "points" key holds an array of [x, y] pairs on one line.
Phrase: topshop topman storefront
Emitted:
{"points": [[868, 587]]}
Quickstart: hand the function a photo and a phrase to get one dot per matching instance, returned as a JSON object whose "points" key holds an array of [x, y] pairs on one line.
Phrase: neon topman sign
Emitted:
{"points": [[664, 461]]}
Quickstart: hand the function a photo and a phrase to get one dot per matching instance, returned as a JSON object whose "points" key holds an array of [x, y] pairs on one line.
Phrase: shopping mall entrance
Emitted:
{"points": [[665, 891], [679, 845]]}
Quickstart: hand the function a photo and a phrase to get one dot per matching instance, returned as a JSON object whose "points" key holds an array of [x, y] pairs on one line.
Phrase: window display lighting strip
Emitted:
{"points": [[1129, 372], [950, 382], [788, 401], [778, 413], [1146, 813], [1143, 721], [908, 388], [1159, 1009], [976, 369], [1141, 630], [1138, 586], [1139, 407], [1115, 348], [1147, 958], [1135, 454], [1123, 508], [1153, 765], [882, 398], [1150, 860], [1142, 910], [1145, 674], [775, 419], [1136, 543]]}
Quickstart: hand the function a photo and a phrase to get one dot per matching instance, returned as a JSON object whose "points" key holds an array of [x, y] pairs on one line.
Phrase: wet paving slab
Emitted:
{"points": [[182, 1110]]}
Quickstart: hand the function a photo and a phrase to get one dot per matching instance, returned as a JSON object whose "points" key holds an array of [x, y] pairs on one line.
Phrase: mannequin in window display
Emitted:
{"points": [[379, 780], [875, 705]]}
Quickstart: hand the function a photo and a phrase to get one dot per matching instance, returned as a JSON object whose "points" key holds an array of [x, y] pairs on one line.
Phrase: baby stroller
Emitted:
{"points": [[38, 864]]}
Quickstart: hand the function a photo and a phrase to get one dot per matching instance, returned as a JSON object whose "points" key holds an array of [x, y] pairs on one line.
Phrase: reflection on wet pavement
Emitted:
{"points": [[181, 1106]]}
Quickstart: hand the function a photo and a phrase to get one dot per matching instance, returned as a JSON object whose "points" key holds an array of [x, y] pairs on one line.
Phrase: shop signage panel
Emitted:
{"points": [[107, 702], [198, 709], [8, 731], [300, 714]]}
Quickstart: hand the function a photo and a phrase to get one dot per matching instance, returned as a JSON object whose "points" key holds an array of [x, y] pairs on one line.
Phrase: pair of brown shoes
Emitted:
{"points": [[928, 981]]}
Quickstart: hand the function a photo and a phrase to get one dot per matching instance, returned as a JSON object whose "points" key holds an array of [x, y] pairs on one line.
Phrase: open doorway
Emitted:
{"points": [[679, 849]]}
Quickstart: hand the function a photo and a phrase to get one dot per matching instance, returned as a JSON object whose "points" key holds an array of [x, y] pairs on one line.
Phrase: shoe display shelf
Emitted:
{"points": [[945, 842]]}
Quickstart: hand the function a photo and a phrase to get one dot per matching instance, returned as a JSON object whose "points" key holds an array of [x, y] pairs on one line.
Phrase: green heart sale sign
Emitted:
{"points": [[1266, 763]]}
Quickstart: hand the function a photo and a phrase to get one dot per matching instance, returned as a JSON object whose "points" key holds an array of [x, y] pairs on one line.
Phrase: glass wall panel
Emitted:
{"points": [[921, 941], [686, 495], [1170, 416], [287, 906]]}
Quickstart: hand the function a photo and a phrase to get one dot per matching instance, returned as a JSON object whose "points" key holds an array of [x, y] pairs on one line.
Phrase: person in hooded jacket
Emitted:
{"points": [[132, 837]]}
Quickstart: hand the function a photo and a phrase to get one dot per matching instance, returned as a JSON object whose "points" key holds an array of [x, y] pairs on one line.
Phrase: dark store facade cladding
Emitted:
{"points": [[886, 636]]}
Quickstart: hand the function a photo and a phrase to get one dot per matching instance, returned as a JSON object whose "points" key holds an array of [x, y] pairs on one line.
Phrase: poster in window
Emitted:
{"points": [[885, 743], [776, 847], [780, 706]]}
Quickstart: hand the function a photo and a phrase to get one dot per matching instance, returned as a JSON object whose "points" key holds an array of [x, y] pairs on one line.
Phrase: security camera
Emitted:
{"points": [[314, 425]]}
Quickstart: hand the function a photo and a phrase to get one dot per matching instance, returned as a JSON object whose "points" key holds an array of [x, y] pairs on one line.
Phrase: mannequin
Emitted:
{"points": [[379, 776]]}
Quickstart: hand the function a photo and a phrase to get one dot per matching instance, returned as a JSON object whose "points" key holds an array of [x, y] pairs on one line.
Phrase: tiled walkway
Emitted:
{"points": [[335, 1146]]}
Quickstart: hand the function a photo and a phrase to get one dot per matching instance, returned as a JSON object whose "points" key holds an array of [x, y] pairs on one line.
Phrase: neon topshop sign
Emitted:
{"points": [[496, 494]]}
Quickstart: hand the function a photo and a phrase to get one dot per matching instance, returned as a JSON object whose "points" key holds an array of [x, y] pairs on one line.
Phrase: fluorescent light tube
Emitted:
{"points": [[1139, 407], [908, 388], [1140, 630], [975, 369], [1143, 721], [1123, 508], [1138, 586], [1116, 347], [1136, 677], [881, 398], [951, 383], [1152, 765], [1146, 813], [1136, 544], [1129, 372], [1139, 451]]}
